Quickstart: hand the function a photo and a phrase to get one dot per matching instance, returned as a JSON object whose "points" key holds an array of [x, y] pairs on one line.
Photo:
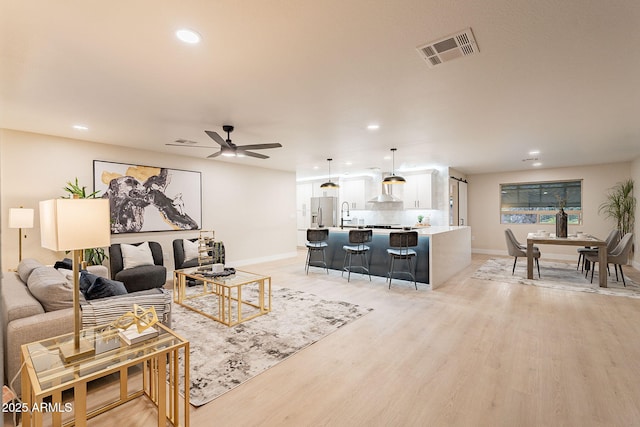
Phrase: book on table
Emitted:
{"points": [[132, 336]]}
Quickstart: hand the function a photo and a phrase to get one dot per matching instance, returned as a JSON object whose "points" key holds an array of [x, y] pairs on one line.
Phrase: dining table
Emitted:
{"points": [[585, 240]]}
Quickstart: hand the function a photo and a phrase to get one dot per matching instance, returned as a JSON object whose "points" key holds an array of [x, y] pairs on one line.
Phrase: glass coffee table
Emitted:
{"points": [[45, 376], [229, 300]]}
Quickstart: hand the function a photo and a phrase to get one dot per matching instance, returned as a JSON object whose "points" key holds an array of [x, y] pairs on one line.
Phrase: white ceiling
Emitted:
{"points": [[562, 77]]}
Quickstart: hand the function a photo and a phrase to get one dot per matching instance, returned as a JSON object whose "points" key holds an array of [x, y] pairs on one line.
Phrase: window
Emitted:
{"points": [[538, 202]]}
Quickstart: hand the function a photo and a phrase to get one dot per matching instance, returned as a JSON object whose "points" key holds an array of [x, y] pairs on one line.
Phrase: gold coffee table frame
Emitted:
{"points": [[45, 375], [228, 290]]}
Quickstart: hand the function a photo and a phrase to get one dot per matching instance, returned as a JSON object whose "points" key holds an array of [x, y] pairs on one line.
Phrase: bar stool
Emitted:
{"points": [[400, 243], [316, 242], [357, 240]]}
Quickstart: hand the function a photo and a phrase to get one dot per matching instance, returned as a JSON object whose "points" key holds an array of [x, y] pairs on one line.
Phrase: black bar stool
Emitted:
{"points": [[400, 243], [316, 242], [357, 240]]}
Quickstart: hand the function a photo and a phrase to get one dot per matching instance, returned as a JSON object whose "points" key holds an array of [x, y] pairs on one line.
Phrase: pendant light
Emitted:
{"points": [[393, 178], [329, 184]]}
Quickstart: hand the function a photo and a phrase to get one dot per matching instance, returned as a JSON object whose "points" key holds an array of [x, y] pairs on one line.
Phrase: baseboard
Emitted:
{"points": [[276, 257]]}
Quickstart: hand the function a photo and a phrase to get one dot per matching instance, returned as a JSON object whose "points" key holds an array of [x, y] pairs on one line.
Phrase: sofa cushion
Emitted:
{"points": [[103, 288], [134, 256], [26, 267], [51, 288], [17, 301], [190, 249]]}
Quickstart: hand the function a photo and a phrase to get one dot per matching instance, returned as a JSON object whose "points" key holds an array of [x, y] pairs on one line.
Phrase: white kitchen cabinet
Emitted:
{"points": [[417, 192], [354, 192]]}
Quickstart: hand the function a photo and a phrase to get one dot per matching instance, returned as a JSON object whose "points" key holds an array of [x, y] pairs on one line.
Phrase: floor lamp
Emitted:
{"points": [[75, 225], [20, 218]]}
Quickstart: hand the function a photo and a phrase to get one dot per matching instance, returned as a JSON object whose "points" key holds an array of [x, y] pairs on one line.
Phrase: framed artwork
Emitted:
{"points": [[147, 198]]}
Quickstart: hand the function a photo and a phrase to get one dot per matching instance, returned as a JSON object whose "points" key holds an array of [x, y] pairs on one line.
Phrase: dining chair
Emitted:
{"points": [[618, 256], [516, 249], [612, 240]]}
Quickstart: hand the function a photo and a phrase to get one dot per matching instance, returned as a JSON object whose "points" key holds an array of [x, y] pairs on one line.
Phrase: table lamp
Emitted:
{"points": [[20, 218], [75, 225]]}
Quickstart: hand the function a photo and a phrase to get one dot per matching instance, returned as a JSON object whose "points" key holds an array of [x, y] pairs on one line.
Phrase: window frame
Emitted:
{"points": [[574, 210]]}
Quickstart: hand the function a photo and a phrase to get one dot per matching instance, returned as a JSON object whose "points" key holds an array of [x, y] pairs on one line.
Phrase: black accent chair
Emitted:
{"points": [[401, 244], [317, 242], [357, 240], [178, 255], [142, 277]]}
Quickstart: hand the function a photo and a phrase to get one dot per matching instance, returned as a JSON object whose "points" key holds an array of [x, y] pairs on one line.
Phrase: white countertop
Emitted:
{"points": [[422, 231]]}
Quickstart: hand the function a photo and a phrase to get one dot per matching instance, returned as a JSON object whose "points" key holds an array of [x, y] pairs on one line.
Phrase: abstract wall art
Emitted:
{"points": [[147, 198]]}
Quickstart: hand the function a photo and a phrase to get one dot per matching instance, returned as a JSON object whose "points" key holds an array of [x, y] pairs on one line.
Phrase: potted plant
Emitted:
{"points": [[93, 256], [621, 206]]}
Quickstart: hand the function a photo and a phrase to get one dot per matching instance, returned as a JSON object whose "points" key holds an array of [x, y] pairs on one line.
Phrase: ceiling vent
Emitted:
{"points": [[449, 48]]}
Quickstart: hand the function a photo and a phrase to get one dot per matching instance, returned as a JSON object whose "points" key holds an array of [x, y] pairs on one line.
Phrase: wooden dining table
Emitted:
{"points": [[586, 240]]}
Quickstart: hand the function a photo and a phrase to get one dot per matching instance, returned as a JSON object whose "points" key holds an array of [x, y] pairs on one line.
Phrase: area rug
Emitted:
{"points": [[556, 275], [222, 357]]}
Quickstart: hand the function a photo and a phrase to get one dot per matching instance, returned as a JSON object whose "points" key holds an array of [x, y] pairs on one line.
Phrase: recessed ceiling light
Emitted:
{"points": [[80, 127], [537, 164], [188, 36], [373, 126], [348, 163], [534, 152]]}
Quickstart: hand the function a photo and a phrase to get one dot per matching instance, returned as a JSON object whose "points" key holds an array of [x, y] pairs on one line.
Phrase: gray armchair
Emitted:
{"points": [[142, 277]]}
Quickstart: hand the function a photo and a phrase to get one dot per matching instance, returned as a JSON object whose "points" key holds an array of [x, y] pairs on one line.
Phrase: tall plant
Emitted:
{"points": [[621, 206], [93, 256]]}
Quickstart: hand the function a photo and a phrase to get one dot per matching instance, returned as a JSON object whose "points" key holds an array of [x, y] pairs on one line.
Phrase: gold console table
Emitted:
{"points": [[46, 376]]}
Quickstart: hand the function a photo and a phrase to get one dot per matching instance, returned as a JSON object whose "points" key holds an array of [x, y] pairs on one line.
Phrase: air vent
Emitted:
{"points": [[451, 47]]}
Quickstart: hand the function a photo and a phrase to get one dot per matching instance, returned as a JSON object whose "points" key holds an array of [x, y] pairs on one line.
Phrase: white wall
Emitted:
{"points": [[635, 175], [251, 209], [484, 205]]}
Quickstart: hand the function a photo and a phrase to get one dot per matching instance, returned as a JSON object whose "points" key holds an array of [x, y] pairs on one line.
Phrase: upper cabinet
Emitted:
{"points": [[417, 191], [356, 192], [353, 192]]}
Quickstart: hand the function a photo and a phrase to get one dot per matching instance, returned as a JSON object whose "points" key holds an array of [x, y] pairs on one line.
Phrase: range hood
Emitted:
{"points": [[386, 196]]}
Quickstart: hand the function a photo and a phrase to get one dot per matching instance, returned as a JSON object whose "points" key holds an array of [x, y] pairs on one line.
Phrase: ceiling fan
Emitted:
{"points": [[228, 148]]}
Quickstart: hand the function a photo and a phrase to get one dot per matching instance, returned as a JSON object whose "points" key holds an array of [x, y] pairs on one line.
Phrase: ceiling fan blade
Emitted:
{"points": [[192, 146], [217, 138], [216, 154], [260, 146], [250, 154]]}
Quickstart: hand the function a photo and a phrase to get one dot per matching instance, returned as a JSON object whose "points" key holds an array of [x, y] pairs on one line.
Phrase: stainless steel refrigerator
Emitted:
{"points": [[324, 211]]}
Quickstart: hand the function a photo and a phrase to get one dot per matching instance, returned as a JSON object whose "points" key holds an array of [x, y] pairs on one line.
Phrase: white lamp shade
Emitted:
{"points": [[20, 218], [68, 224]]}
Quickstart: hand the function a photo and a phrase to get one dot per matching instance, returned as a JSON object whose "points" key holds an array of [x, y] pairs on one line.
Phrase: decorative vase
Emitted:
{"points": [[561, 223]]}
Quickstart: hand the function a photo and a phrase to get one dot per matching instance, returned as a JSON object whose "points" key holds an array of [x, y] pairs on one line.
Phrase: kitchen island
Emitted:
{"points": [[442, 251]]}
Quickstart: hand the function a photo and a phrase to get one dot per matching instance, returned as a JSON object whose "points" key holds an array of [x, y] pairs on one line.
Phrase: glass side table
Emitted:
{"points": [[45, 376]]}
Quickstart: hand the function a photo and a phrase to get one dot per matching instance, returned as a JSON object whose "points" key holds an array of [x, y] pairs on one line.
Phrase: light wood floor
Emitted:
{"points": [[472, 353]]}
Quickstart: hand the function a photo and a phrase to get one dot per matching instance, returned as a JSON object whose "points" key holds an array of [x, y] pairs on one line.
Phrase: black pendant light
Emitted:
{"points": [[329, 184], [393, 178]]}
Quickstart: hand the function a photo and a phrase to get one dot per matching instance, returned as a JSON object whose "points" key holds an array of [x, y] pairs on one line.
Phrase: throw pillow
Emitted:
{"points": [[134, 256], [190, 249], [26, 267], [51, 288], [86, 281], [103, 288]]}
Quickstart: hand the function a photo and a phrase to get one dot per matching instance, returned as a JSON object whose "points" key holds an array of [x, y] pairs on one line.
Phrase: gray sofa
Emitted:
{"points": [[37, 303]]}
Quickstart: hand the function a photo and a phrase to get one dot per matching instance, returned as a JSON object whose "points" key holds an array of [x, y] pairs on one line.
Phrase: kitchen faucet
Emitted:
{"points": [[342, 213]]}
